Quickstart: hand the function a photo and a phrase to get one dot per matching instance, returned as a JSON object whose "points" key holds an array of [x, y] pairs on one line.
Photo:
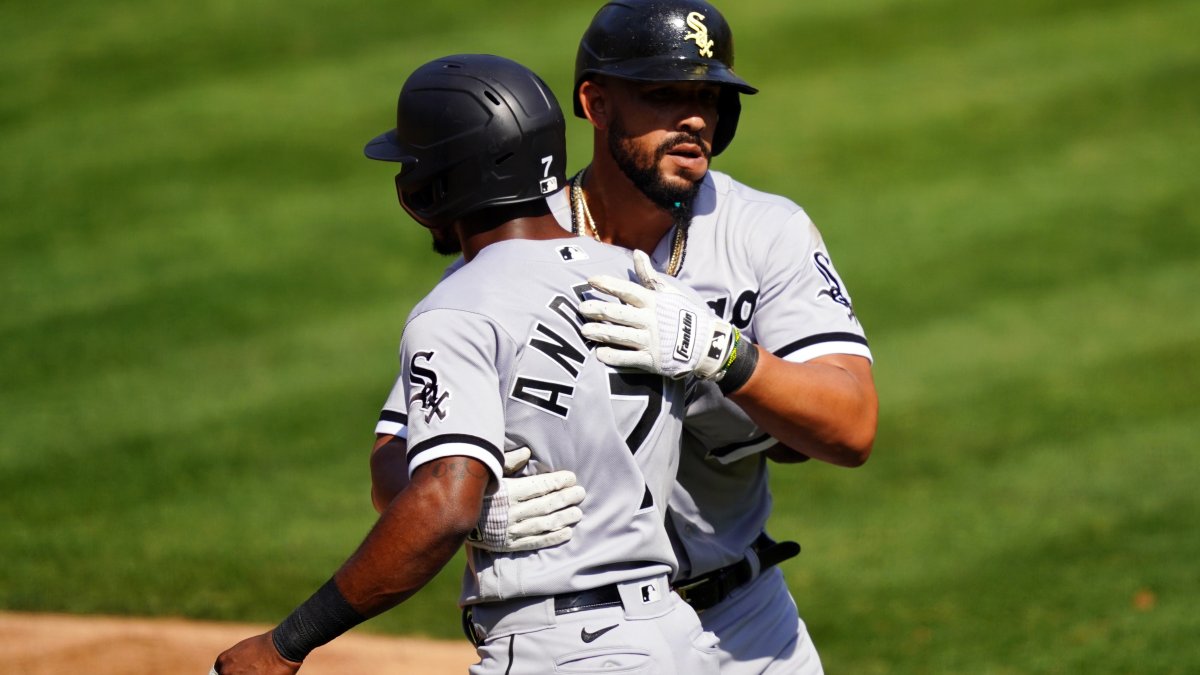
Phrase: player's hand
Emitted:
{"points": [[516, 459], [528, 512], [254, 656], [657, 329]]}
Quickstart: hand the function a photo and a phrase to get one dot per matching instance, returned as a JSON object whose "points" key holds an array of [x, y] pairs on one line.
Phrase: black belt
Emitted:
{"points": [[595, 598], [707, 590], [564, 603]]}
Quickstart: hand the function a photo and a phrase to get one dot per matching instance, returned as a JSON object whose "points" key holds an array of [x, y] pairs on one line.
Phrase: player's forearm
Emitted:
{"points": [[389, 470], [417, 534], [826, 408], [415, 537]]}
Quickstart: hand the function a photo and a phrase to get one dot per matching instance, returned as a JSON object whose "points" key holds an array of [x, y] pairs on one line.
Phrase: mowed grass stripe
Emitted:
{"points": [[1028, 254], [1011, 377], [164, 377], [113, 53], [1057, 604], [1044, 167], [1095, 201], [986, 559], [1096, 319], [1007, 498], [827, 33], [1009, 567], [198, 161], [280, 485], [861, 121]]}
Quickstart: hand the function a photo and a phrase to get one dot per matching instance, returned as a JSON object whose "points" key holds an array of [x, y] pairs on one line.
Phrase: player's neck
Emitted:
{"points": [[623, 215], [475, 236]]}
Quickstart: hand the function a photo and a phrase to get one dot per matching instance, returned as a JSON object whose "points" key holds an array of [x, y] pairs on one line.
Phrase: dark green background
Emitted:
{"points": [[203, 283]]}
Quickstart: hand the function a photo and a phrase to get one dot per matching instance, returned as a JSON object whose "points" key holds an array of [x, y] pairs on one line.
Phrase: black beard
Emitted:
{"points": [[446, 249], [679, 201], [447, 243]]}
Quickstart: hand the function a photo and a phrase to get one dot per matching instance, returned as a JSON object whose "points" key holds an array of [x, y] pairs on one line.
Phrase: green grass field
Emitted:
{"points": [[203, 284]]}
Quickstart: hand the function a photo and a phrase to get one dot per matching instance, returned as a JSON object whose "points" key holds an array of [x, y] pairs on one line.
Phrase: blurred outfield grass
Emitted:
{"points": [[203, 283]]}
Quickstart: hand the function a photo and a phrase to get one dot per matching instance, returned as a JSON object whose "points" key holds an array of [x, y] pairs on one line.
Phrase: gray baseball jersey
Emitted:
{"points": [[759, 263], [492, 359]]}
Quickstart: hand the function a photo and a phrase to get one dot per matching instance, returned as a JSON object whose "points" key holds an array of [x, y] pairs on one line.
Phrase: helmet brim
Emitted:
{"points": [[658, 69], [386, 148]]}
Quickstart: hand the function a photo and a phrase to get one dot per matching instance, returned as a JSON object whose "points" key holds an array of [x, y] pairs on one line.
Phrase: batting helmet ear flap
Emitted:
{"points": [[729, 109], [418, 200]]}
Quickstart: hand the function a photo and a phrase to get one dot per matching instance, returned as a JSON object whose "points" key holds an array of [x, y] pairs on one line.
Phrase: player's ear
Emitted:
{"points": [[595, 103]]}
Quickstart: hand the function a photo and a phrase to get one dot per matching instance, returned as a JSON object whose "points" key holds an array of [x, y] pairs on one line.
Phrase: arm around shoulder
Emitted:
{"points": [[417, 534], [826, 408]]}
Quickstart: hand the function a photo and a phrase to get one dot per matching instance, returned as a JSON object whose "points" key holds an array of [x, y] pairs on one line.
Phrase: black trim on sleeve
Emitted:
{"points": [[445, 439], [729, 449], [393, 416], [819, 339]]}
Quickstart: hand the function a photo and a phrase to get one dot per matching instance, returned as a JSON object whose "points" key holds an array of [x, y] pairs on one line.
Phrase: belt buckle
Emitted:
{"points": [[683, 590], [700, 594]]}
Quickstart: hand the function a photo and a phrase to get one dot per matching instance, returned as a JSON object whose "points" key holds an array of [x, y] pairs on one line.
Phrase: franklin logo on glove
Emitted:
{"points": [[656, 325], [683, 340]]}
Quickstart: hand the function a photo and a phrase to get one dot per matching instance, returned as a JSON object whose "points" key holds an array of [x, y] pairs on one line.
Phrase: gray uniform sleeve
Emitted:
{"points": [[452, 366], [804, 310], [393, 419]]}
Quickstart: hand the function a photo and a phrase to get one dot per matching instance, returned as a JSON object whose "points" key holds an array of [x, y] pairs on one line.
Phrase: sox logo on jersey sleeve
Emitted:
{"points": [[834, 292], [433, 401]]}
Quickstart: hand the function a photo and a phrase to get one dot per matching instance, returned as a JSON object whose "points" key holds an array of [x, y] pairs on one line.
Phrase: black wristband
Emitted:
{"points": [[323, 617], [745, 360]]}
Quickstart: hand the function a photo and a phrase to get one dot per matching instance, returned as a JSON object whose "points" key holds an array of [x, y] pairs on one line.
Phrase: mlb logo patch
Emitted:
{"points": [[651, 593], [571, 253]]}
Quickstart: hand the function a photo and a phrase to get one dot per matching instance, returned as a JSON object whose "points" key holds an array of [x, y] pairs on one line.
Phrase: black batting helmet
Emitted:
{"points": [[664, 41], [474, 131]]}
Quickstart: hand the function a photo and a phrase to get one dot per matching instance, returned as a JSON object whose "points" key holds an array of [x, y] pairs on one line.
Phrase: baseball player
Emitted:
{"points": [[493, 359], [801, 384], [656, 81]]}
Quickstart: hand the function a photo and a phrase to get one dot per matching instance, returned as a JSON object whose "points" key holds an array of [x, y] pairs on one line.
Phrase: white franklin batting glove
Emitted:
{"points": [[528, 512], [658, 328]]}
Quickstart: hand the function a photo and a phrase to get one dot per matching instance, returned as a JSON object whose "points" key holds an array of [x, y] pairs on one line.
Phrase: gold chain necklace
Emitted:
{"points": [[581, 215]]}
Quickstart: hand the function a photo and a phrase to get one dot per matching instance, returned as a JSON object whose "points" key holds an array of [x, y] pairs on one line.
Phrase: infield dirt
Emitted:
{"points": [[54, 644]]}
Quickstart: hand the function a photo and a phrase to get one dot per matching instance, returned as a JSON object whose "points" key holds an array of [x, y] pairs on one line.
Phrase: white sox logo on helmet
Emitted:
{"points": [[699, 34]]}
